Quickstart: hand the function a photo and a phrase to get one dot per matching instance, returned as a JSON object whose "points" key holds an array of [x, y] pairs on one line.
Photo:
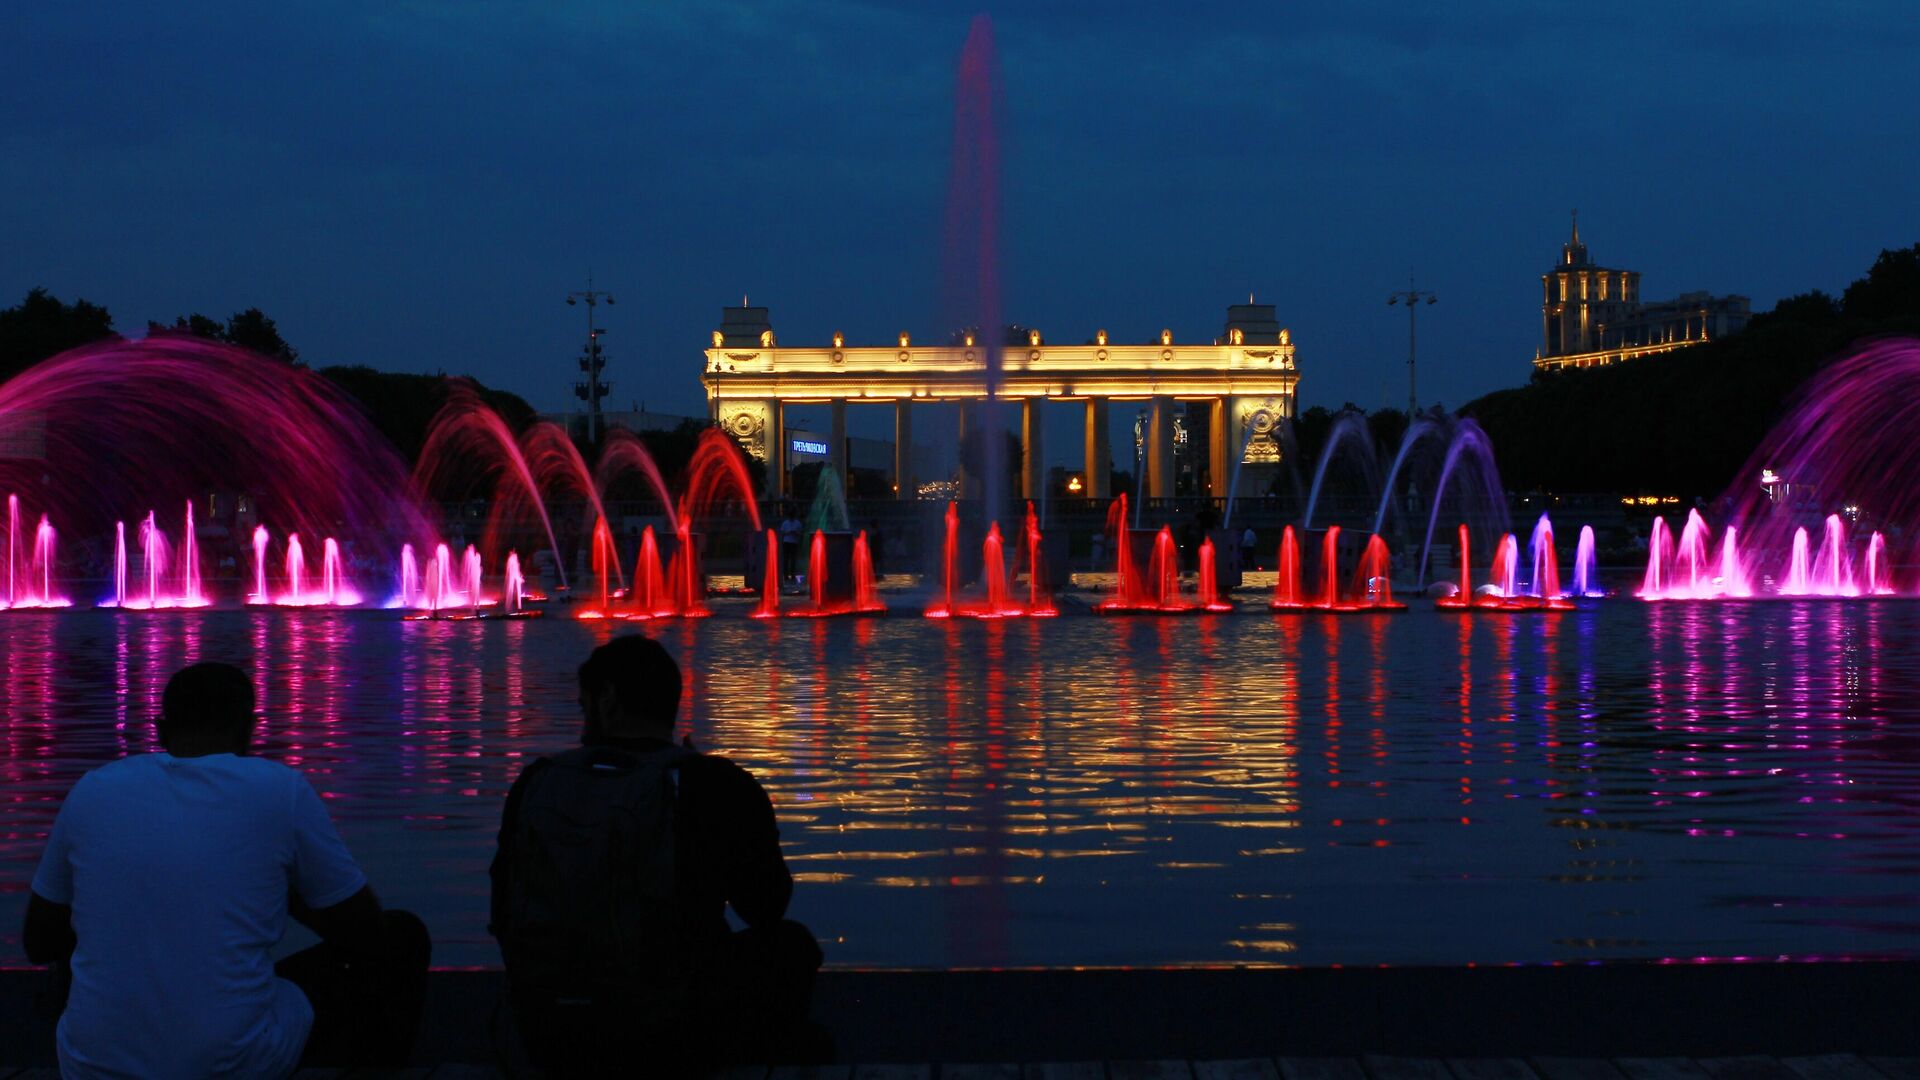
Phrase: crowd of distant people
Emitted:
{"points": [[169, 878]]}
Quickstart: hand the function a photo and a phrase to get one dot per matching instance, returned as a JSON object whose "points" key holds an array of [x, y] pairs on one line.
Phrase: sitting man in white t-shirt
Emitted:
{"points": [[167, 879]]}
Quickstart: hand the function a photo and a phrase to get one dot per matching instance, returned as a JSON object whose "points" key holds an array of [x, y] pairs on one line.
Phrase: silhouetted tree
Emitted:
{"points": [[1683, 423], [250, 329], [41, 326], [1890, 289], [1310, 430], [1388, 427], [401, 406], [1808, 309]]}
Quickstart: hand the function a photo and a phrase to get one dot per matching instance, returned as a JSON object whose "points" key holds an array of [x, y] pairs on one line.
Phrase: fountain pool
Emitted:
{"points": [[1626, 780]]}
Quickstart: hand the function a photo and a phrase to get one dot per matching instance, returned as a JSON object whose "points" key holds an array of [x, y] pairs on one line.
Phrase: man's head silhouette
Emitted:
{"points": [[630, 688], [207, 708]]}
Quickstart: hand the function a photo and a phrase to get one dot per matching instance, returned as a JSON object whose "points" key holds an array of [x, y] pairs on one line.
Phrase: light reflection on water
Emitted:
{"points": [[1649, 781]]}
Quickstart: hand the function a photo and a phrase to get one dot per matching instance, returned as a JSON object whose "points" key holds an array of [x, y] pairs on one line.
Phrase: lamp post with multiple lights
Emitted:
{"points": [[1412, 297], [592, 360]]}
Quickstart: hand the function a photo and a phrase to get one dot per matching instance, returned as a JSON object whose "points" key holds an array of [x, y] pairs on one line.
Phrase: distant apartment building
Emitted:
{"points": [[1592, 316]]}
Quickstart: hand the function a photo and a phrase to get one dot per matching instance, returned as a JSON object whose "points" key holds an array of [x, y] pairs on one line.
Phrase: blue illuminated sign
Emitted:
{"points": [[808, 446]]}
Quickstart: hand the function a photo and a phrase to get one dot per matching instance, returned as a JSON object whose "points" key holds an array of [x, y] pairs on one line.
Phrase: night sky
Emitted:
{"points": [[417, 186]]}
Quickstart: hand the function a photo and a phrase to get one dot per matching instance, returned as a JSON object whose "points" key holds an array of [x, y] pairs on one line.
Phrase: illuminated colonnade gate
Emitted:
{"points": [[1244, 380]]}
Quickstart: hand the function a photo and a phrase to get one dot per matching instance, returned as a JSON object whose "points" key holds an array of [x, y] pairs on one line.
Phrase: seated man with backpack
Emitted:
{"points": [[616, 863]]}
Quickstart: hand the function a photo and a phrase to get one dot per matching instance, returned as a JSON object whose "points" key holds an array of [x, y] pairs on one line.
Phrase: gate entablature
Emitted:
{"points": [[1245, 379]]}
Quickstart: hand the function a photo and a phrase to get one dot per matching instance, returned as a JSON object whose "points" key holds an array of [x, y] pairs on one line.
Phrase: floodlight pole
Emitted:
{"points": [[1412, 297], [592, 389]]}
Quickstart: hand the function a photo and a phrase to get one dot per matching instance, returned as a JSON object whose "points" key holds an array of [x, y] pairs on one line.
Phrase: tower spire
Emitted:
{"points": [[1576, 228]]}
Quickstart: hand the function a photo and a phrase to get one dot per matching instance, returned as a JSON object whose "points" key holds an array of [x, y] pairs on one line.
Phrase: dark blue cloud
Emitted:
{"points": [[417, 186]]}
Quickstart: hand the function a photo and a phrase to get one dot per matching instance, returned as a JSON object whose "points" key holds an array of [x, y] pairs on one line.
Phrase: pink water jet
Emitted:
{"points": [[1832, 569], [261, 538], [176, 415], [1879, 573], [30, 578], [1545, 583], [1733, 575], [1692, 575], [156, 555], [1799, 567], [13, 550], [411, 595], [1506, 567], [513, 592], [296, 571], [475, 574], [1653, 584], [1586, 566], [120, 594]]}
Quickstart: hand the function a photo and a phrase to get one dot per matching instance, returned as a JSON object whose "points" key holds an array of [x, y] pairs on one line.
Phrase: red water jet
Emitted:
{"points": [[866, 595], [817, 571], [1372, 580], [688, 597], [648, 596], [943, 608], [1039, 601], [1463, 598], [769, 607], [1209, 585], [1330, 569], [605, 559], [1286, 589]]}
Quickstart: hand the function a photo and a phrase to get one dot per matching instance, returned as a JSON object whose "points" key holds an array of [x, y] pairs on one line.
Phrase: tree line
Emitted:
{"points": [[1683, 423]]}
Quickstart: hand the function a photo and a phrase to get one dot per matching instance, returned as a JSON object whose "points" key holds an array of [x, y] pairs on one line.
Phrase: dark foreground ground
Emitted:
{"points": [[1615, 1011]]}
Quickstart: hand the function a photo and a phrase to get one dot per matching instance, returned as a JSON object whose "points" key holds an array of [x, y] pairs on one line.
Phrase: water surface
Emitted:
{"points": [[1628, 781]]}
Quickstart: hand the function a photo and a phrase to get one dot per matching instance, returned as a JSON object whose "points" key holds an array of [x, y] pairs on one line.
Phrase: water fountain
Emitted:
{"points": [[30, 573], [1286, 590], [996, 598], [1504, 592], [1586, 564]]}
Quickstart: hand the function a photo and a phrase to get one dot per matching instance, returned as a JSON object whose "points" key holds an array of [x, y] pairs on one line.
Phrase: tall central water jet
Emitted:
{"points": [[971, 274]]}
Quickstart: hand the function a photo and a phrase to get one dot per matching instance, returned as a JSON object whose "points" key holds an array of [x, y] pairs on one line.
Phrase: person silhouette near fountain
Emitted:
{"points": [[790, 530], [616, 863], [167, 879]]}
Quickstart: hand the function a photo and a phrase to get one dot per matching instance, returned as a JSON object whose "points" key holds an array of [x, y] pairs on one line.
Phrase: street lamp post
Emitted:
{"points": [[1412, 297], [593, 360]]}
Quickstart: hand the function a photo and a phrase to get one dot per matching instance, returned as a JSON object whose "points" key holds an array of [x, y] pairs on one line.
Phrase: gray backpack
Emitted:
{"points": [[592, 905]]}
